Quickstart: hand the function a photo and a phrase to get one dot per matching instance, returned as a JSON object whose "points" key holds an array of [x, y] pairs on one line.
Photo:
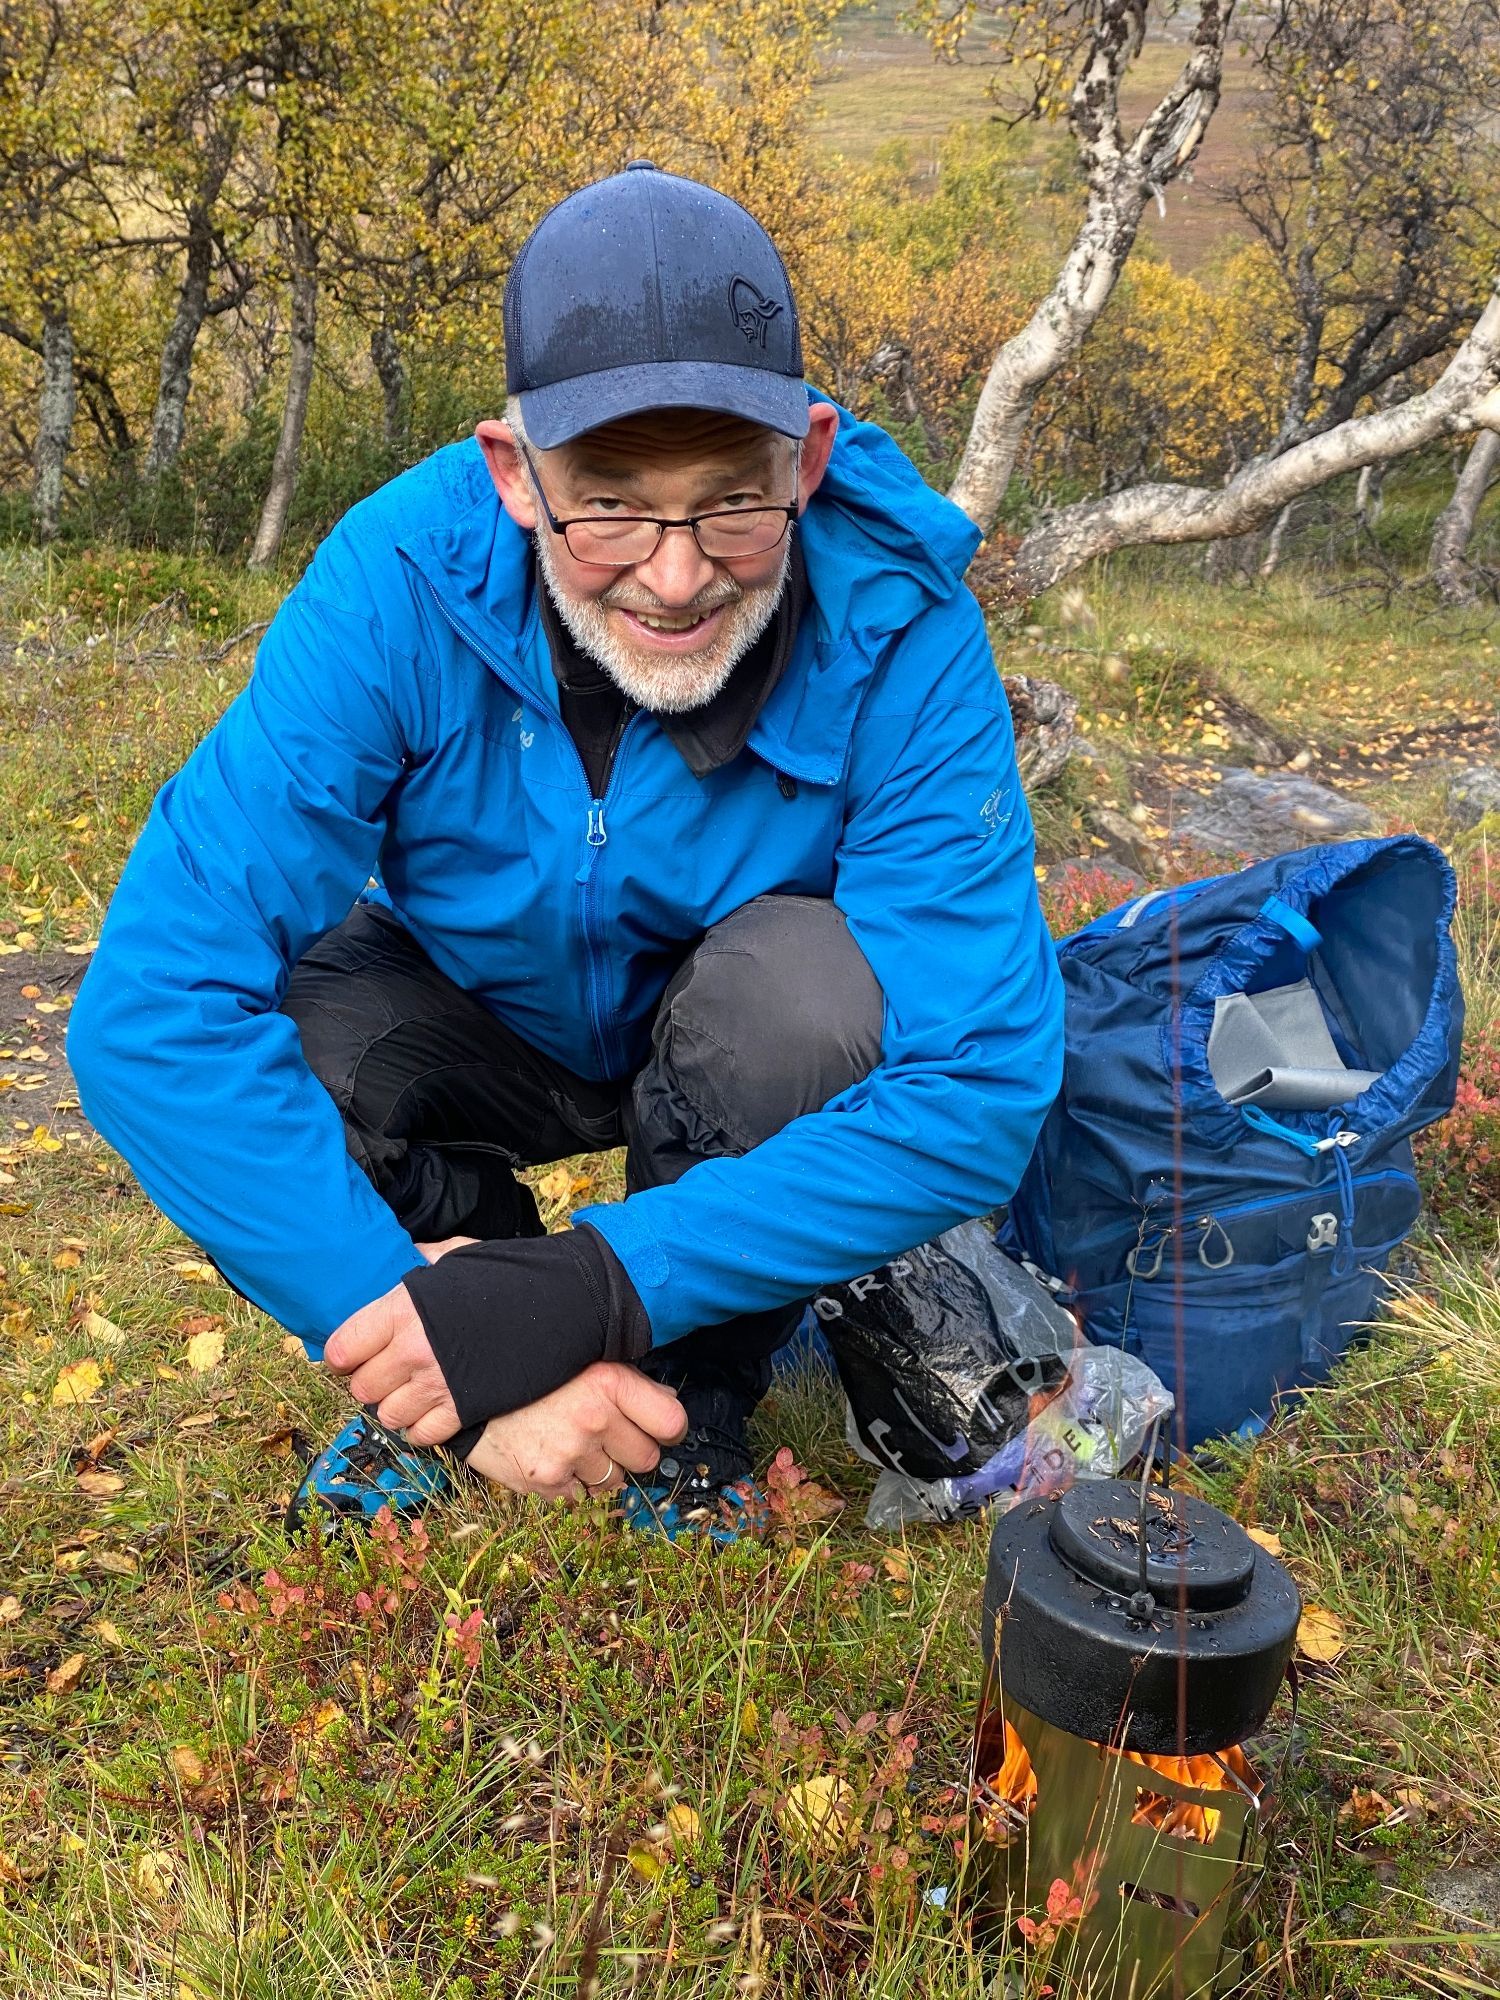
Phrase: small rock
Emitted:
{"points": [[1258, 816], [1122, 838], [1469, 1892], [1473, 793]]}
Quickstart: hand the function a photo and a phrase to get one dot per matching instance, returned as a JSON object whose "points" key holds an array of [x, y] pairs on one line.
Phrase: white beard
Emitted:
{"points": [[668, 683]]}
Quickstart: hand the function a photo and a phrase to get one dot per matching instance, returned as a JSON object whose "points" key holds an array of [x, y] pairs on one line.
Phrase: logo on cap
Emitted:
{"points": [[752, 313]]}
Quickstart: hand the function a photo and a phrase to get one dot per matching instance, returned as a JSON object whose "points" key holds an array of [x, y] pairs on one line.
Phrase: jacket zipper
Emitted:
{"points": [[595, 837]]}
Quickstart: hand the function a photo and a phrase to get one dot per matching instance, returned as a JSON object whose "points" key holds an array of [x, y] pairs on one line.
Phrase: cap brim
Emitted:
{"points": [[565, 410]]}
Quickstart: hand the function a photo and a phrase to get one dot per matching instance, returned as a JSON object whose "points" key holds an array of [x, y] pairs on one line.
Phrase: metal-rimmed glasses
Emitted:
{"points": [[620, 541]]}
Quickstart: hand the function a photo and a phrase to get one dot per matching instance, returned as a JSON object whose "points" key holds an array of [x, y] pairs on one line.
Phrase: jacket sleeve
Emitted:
{"points": [[260, 843], [936, 877]]}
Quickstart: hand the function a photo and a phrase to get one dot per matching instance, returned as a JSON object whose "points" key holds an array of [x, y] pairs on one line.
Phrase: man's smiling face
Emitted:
{"points": [[670, 630]]}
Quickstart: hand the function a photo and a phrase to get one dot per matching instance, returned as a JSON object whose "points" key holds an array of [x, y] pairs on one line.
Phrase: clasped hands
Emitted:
{"points": [[608, 1421]]}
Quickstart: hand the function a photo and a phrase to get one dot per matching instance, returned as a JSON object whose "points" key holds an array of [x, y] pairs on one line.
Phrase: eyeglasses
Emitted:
{"points": [[619, 541]]}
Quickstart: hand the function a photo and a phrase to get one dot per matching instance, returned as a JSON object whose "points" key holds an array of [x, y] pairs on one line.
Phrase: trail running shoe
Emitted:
{"points": [[364, 1469], [702, 1486]]}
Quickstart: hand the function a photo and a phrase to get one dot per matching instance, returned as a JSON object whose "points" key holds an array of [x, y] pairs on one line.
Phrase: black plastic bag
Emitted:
{"points": [[944, 1353]]}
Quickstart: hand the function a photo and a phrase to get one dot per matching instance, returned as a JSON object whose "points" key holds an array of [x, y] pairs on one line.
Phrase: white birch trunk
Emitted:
{"points": [[54, 434], [304, 341], [1272, 560], [1455, 525], [1121, 179], [175, 377], [1465, 397]]}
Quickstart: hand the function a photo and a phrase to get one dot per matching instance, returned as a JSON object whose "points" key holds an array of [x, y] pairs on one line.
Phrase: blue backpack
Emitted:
{"points": [[1228, 1167]]}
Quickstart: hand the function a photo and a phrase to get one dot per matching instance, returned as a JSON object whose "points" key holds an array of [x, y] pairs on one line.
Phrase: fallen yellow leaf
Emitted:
{"points": [[10, 1609], [154, 1872], [105, 1629], [818, 1815], [78, 1382], [66, 1675], [197, 1273], [556, 1186], [67, 1260], [1320, 1635], [683, 1825], [100, 1329], [749, 1721], [42, 1141], [1264, 1539], [205, 1350], [1364, 1809], [648, 1858], [188, 1764]]}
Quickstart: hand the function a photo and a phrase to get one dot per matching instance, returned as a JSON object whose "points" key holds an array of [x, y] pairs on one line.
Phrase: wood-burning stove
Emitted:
{"points": [[1134, 1639]]}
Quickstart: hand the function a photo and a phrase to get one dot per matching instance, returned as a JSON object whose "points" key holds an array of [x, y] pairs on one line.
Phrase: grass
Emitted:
{"points": [[238, 1767]]}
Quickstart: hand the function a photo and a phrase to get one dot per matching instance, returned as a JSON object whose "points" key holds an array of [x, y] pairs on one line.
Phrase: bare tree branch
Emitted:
{"points": [[1465, 397]]}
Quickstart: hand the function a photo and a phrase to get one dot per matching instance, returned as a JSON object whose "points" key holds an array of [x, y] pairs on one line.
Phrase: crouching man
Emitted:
{"points": [[636, 773]]}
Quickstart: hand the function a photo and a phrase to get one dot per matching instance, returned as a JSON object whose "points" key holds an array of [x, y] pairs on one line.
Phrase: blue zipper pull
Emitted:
{"points": [[596, 839]]}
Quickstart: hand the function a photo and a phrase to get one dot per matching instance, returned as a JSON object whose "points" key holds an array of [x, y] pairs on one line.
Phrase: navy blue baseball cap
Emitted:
{"points": [[648, 291]]}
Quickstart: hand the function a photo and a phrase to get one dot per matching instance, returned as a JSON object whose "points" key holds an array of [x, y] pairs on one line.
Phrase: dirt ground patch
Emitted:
{"points": [[37, 989]]}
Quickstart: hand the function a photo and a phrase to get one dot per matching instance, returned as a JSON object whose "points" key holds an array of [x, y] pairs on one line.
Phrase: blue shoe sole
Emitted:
{"points": [[363, 1470]]}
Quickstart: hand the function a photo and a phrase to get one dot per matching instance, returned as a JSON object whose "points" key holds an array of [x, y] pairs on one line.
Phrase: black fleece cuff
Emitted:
{"points": [[512, 1320]]}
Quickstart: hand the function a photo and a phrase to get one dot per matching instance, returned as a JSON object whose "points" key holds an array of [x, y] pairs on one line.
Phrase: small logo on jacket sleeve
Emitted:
{"points": [[994, 812]]}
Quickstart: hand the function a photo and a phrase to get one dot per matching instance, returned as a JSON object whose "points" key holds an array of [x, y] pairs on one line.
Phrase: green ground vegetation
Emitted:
{"points": [[519, 1751]]}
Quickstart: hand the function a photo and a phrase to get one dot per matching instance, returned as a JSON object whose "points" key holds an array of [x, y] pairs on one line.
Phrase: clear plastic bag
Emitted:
{"points": [[1096, 1424]]}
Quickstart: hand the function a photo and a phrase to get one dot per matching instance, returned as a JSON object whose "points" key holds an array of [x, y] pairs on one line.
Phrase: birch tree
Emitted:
{"points": [[320, 73], [1371, 187], [58, 134], [1464, 398], [1447, 562], [1075, 61], [188, 68]]}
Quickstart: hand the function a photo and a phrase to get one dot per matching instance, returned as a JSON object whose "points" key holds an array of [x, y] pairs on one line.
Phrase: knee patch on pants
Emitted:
{"points": [[776, 1012]]}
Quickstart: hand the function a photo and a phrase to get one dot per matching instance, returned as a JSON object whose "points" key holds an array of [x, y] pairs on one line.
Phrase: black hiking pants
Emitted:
{"points": [[773, 1013]]}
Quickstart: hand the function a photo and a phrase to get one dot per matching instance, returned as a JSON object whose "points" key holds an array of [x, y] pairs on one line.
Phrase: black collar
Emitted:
{"points": [[714, 734]]}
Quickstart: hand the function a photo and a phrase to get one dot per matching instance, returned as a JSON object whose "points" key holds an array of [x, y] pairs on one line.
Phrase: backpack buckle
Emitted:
{"points": [[1323, 1232]]}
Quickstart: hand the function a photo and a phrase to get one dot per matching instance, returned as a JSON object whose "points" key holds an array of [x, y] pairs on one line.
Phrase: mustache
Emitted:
{"points": [[627, 597]]}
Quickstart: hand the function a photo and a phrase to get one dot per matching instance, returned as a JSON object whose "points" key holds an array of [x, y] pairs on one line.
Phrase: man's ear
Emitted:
{"points": [[822, 428], [512, 481]]}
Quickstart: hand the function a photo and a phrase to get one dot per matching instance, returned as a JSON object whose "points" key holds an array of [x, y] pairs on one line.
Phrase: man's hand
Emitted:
{"points": [[384, 1351], [606, 1422]]}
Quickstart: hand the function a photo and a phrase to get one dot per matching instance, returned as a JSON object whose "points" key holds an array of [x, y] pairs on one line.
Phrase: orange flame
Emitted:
{"points": [[1006, 1786], [1229, 1769], [1005, 1800]]}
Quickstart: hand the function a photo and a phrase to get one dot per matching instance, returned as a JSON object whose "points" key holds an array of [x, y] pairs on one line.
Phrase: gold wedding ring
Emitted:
{"points": [[593, 1485]]}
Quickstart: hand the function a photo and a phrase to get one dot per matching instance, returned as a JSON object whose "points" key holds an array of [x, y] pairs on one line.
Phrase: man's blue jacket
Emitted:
{"points": [[402, 724]]}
